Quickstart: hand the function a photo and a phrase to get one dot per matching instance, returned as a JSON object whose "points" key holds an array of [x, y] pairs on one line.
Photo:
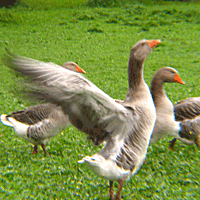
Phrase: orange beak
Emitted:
{"points": [[153, 43], [78, 69], [178, 79]]}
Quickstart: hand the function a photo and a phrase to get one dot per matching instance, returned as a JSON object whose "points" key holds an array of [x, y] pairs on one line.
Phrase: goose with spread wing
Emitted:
{"points": [[125, 128], [37, 124], [165, 121], [188, 111]]}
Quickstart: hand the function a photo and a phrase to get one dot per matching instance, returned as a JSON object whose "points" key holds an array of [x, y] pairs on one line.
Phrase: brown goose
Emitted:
{"points": [[165, 121], [126, 129], [39, 123], [188, 110]]}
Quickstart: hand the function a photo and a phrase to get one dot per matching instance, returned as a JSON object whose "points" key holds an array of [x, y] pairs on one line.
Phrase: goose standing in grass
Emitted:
{"points": [[188, 111], [39, 123], [126, 129], [165, 121]]}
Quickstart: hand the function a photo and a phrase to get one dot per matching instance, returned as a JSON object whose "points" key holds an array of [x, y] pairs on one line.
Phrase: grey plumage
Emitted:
{"points": [[39, 123], [187, 108], [125, 128], [188, 111], [165, 122], [33, 114], [89, 109]]}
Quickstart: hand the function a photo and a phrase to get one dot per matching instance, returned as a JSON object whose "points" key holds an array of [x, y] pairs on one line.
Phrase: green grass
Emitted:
{"points": [[99, 40]]}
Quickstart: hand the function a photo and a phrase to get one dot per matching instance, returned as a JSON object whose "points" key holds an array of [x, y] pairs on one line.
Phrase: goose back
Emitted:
{"points": [[187, 108]]}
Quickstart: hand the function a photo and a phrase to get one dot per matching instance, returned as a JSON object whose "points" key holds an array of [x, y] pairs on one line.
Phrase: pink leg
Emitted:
{"points": [[119, 191], [172, 143], [197, 142], [44, 149], [111, 191], [35, 149]]}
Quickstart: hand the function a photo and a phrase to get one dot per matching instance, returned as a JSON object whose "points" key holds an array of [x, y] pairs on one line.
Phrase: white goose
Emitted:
{"points": [[39, 123], [188, 111], [126, 129], [165, 121]]}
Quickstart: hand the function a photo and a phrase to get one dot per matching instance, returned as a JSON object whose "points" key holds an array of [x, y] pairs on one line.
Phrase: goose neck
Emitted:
{"points": [[157, 89], [135, 73]]}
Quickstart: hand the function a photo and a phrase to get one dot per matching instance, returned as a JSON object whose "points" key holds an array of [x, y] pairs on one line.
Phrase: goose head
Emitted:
{"points": [[142, 49], [105, 168], [168, 75], [138, 54], [93, 161], [98, 164], [73, 67]]}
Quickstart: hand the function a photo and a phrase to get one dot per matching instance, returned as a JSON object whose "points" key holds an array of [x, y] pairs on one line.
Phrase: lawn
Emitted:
{"points": [[99, 39]]}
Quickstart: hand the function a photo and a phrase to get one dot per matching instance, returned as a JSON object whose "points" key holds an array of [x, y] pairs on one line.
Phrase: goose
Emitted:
{"points": [[165, 121], [124, 128], [37, 124], [188, 110]]}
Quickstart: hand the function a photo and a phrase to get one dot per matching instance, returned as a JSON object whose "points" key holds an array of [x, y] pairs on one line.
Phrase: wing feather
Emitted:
{"points": [[89, 108], [33, 114], [187, 109]]}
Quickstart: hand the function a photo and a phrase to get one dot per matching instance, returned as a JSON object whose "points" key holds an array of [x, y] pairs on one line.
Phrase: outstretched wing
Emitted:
{"points": [[187, 109], [89, 108]]}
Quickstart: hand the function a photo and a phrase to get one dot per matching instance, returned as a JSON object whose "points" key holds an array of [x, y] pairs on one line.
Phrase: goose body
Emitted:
{"points": [[188, 112], [165, 121], [125, 128], [37, 124], [123, 154]]}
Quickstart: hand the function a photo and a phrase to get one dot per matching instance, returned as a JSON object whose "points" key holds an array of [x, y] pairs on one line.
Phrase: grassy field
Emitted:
{"points": [[99, 39]]}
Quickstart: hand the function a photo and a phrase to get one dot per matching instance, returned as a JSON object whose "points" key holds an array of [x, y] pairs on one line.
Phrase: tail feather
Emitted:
{"points": [[5, 120]]}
